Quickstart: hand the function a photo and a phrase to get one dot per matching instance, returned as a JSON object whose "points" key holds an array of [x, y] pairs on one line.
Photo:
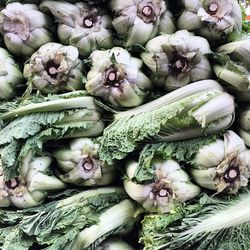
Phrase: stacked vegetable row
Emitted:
{"points": [[121, 132]]}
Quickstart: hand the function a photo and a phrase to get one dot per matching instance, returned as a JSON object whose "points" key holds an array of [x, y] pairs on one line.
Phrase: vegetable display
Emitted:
{"points": [[124, 125]]}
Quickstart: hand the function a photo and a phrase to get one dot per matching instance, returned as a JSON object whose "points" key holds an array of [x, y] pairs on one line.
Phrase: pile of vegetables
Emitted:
{"points": [[124, 125]]}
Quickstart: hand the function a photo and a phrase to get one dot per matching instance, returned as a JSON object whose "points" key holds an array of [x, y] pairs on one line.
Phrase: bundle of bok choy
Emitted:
{"points": [[177, 59], [244, 124], [191, 111], [10, 76], [80, 221], [124, 125], [79, 164], [31, 187], [219, 163], [31, 122], [137, 21], [80, 25], [218, 21], [116, 77], [232, 67], [24, 28], [54, 68], [210, 223]]}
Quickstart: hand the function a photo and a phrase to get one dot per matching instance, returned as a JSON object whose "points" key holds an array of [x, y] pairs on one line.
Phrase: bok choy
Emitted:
{"points": [[177, 59], [80, 25], [138, 21], [170, 185], [116, 77], [80, 221], [191, 111], [219, 164], [216, 20], [54, 68], [211, 223], [232, 67], [29, 124], [115, 244], [223, 165], [244, 124], [31, 187], [24, 28], [80, 165]]}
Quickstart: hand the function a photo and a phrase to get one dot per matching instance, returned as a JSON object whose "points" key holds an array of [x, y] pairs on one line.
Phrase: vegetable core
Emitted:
{"points": [[178, 65], [12, 184], [52, 68], [212, 8], [231, 174], [88, 22], [17, 25], [147, 14], [162, 191], [87, 164], [113, 78]]}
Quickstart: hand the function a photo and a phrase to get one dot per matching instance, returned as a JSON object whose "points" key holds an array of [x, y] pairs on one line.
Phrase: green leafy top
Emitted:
{"points": [[181, 151], [180, 228], [224, 60], [57, 223], [32, 118], [124, 134], [28, 125]]}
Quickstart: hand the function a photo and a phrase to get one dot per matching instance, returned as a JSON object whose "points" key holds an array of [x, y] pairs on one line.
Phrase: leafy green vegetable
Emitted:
{"points": [[211, 223], [181, 151], [185, 113], [28, 125], [39, 119], [9, 154], [58, 224]]}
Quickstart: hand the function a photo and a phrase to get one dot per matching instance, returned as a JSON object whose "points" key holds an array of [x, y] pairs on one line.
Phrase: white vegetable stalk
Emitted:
{"points": [[212, 19], [24, 28], [81, 26], [234, 67], [10, 75], [29, 189], [54, 68], [110, 220], [230, 216], [81, 165], [116, 77], [178, 59], [115, 244], [244, 125], [170, 187], [224, 165], [238, 50], [138, 21]]}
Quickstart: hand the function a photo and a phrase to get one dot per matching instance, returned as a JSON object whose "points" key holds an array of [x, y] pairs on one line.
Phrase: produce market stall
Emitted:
{"points": [[124, 125]]}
